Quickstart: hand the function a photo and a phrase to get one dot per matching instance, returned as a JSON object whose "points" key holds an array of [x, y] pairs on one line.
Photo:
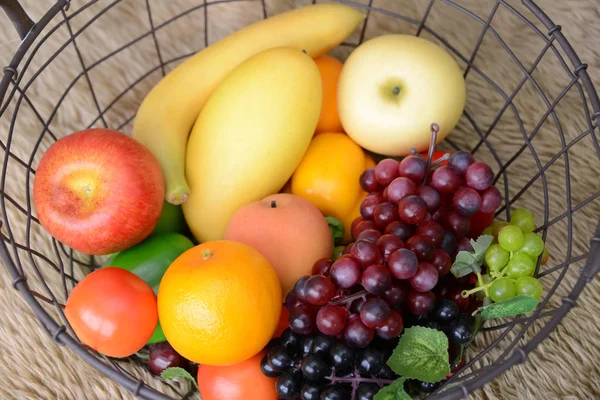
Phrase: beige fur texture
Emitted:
{"points": [[565, 366]]}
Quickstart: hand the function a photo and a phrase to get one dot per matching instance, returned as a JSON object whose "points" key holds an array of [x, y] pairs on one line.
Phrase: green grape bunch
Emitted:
{"points": [[511, 259]]}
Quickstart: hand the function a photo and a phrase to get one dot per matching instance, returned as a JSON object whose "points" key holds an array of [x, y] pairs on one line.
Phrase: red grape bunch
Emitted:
{"points": [[414, 220]]}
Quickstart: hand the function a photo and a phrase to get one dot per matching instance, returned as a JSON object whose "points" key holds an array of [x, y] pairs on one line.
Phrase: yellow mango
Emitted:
{"points": [[250, 137]]}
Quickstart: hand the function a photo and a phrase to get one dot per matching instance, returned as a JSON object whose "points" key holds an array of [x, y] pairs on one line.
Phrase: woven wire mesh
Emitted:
{"points": [[527, 168]]}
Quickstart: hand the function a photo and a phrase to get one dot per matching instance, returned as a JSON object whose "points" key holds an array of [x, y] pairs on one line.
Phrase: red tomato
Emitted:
{"points": [[241, 381], [437, 154], [480, 221], [113, 311]]}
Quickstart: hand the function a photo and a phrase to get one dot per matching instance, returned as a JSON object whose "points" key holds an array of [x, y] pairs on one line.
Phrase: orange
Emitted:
{"points": [[242, 381], [219, 303], [330, 69]]}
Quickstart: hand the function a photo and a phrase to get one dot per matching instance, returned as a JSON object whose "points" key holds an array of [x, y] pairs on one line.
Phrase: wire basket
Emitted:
{"points": [[508, 85]]}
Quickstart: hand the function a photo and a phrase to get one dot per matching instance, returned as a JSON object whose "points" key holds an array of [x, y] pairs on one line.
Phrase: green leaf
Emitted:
{"points": [[508, 308], [176, 372], [395, 391], [422, 353], [336, 227], [482, 243], [461, 269], [467, 261]]}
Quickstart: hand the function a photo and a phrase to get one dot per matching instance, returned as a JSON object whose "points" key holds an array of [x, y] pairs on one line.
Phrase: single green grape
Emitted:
{"points": [[496, 257], [534, 245], [523, 218], [529, 286], [511, 238], [487, 231], [502, 289], [486, 279], [520, 265], [496, 226]]}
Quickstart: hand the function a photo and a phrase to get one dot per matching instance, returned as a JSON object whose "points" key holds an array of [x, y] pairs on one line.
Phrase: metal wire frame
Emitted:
{"points": [[13, 85]]}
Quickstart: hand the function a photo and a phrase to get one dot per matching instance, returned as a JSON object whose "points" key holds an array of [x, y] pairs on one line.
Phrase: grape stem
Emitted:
{"points": [[381, 382], [480, 281], [348, 300]]}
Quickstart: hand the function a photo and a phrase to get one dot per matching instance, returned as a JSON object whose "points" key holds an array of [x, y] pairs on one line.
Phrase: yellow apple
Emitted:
{"points": [[393, 87]]}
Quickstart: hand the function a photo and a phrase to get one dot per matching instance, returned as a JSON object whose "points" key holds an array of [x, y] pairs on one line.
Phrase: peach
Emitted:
{"points": [[288, 230]]}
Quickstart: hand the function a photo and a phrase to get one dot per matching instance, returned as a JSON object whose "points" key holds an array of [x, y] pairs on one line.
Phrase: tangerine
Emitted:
{"points": [[219, 303], [330, 69], [242, 381]]}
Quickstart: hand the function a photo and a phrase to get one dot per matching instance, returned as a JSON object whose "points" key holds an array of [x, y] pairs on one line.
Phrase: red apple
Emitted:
{"points": [[98, 191], [288, 230]]}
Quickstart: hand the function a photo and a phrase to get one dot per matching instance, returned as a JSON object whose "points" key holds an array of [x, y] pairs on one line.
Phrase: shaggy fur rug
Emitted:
{"points": [[566, 365]]}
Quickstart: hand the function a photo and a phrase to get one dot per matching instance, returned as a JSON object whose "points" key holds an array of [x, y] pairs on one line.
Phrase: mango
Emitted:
{"points": [[250, 137]]}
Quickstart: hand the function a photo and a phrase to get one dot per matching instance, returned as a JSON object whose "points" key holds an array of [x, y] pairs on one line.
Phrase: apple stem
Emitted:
{"points": [[206, 254], [273, 204]]}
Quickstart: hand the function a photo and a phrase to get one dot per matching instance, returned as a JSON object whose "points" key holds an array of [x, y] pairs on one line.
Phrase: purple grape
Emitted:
{"points": [[374, 313], [401, 188], [396, 293], [319, 290], [442, 262], [362, 226], [388, 244], [322, 267], [461, 160], [366, 253], [433, 230], [420, 304], [446, 179], [385, 194], [412, 210], [370, 235], [163, 356], [392, 327], [400, 229], [466, 201], [367, 207], [425, 279], [356, 333], [376, 279], [459, 224], [403, 264], [300, 290], [449, 242], [413, 168], [479, 176], [367, 180], [302, 319], [490, 200], [384, 214], [345, 272], [331, 320], [386, 171], [422, 246], [431, 197], [464, 244], [291, 300]]}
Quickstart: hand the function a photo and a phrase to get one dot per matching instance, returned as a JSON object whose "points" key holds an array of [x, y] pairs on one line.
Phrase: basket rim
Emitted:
{"points": [[61, 337]]}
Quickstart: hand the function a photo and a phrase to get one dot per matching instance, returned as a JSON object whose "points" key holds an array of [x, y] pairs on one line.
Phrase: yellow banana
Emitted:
{"points": [[167, 114]]}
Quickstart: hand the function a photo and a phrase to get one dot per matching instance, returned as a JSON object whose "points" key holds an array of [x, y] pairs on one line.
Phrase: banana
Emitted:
{"points": [[167, 114]]}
